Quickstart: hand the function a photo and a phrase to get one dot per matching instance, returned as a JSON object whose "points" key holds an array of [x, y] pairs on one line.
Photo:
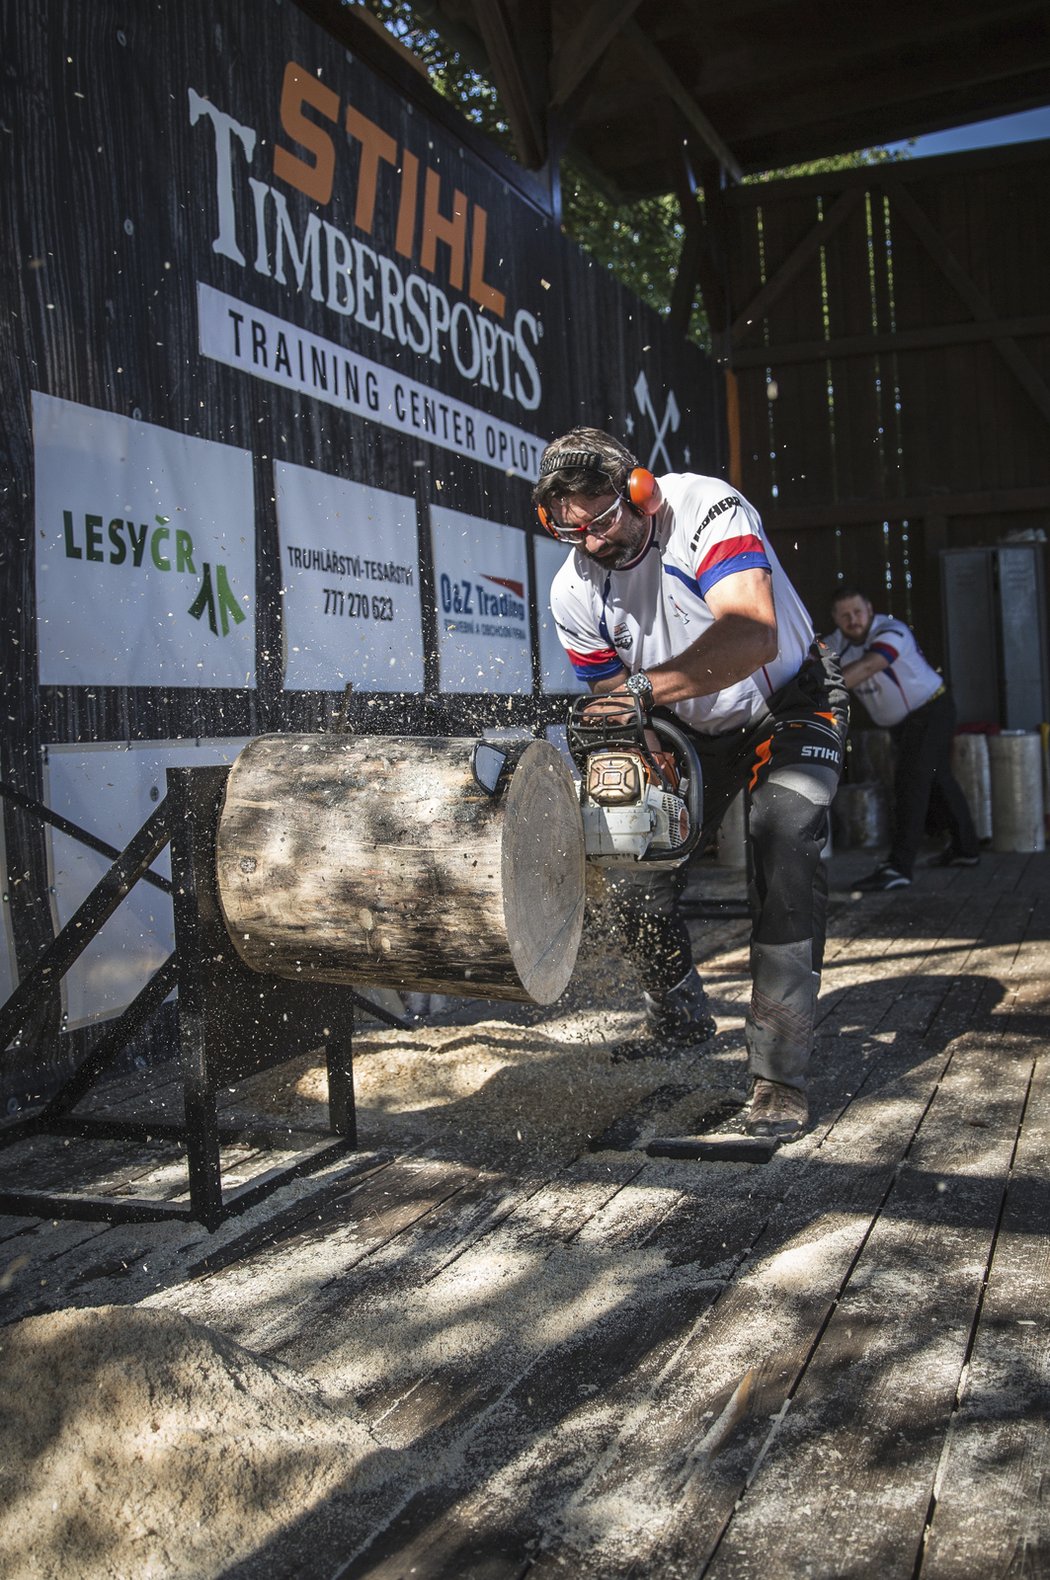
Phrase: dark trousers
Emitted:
{"points": [[788, 764], [923, 773]]}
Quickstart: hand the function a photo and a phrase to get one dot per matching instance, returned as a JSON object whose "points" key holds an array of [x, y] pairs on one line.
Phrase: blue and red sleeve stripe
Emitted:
{"points": [[744, 553], [885, 651], [595, 666]]}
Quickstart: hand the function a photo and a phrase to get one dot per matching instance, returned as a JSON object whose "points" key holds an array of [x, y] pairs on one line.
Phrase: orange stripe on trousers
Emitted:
{"points": [[762, 752]]}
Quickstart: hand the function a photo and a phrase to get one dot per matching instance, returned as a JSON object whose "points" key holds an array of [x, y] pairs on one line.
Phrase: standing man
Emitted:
{"points": [[882, 663], [673, 594]]}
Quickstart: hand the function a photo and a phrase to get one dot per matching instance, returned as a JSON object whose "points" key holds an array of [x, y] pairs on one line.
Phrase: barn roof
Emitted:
{"points": [[639, 89]]}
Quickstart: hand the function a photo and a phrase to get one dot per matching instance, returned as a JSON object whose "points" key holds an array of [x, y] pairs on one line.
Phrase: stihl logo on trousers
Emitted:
{"points": [[826, 754]]}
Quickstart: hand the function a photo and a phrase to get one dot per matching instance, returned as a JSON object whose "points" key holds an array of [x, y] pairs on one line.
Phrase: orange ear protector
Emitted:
{"points": [[643, 491]]}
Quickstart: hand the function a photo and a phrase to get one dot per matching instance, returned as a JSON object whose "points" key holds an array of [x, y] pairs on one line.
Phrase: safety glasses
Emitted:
{"points": [[598, 526]]}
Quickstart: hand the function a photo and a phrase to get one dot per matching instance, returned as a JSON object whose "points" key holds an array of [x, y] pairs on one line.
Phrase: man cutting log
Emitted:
{"points": [[672, 593]]}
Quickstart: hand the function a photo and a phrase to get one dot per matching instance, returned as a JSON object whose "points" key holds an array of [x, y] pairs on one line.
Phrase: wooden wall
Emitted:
{"points": [[889, 337]]}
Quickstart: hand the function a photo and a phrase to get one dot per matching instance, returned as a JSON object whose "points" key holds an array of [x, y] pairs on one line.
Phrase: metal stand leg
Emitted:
{"points": [[234, 1022], [341, 1107]]}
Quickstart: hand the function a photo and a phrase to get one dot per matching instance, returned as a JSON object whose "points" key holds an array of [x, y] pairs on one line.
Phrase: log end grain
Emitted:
{"points": [[543, 872]]}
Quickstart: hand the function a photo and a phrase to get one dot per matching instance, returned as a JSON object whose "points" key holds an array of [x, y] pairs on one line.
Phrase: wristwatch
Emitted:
{"points": [[640, 686]]}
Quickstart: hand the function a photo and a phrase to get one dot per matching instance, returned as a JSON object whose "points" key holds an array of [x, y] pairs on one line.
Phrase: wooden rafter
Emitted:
{"points": [[586, 45], [774, 57], [885, 87], [660, 69], [522, 90], [683, 291], [697, 266]]}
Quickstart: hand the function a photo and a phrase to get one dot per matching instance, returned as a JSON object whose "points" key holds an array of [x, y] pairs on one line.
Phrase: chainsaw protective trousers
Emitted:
{"points": [[788, 765]]}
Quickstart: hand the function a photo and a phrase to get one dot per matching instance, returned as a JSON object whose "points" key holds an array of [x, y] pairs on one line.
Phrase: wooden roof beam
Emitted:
{"points": [[586, 45], [858, 512], [518, 58], [660, 69], [854, 38], [789, 353], [799, 105], [776, 150]]}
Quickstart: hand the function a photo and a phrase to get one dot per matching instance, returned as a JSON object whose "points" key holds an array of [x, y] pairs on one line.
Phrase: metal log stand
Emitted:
{"points": [[233, 1023]]}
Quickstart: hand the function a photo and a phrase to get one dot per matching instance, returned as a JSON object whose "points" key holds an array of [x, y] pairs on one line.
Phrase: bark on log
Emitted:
{"points": [[380, 860]]}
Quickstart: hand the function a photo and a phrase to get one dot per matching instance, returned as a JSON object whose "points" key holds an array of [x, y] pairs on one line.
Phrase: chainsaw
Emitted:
{"points": [[640, 802]]}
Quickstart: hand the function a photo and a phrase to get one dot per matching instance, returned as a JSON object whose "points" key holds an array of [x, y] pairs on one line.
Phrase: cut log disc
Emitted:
{"points": [[380, 860]]}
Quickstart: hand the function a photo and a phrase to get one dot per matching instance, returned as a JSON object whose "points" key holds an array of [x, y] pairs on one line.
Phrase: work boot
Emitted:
{"points": [[776, 1109], [677, 1022]]}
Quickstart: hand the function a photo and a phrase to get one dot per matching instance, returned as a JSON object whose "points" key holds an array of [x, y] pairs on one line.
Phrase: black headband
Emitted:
{"points": [[571, 460]]}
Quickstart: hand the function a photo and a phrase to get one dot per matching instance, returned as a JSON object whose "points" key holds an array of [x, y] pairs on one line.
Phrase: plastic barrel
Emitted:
{"points": [[971, 766], [1016, 763], [860, 816]]}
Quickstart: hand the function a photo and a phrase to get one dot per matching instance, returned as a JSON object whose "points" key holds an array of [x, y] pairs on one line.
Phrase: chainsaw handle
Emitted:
{"points": [[682, 747]]}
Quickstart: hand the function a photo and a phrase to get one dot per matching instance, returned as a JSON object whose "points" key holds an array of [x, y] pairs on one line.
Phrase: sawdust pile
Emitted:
{"points": [[138, 1443], [523, 1088]]}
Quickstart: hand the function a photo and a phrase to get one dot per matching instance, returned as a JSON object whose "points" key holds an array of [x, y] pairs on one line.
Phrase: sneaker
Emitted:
{"points": [[884, 877], [776, 1109], [677, 1024], [953, 858]]}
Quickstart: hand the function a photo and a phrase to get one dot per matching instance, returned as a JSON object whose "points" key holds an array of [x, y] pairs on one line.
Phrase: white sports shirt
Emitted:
{"points": [[610, 621], [893, 693]]}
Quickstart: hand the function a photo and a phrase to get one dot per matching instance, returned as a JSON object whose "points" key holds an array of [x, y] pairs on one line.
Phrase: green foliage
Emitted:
{"points": [[822, 167], [639, 242], [452, 75]]}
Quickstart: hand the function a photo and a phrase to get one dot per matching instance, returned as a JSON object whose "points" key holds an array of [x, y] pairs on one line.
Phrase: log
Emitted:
{"points": [[380, 860]]}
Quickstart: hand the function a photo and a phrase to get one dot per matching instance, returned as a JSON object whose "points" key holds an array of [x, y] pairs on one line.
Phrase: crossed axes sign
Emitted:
{"points": [[672, 417]]}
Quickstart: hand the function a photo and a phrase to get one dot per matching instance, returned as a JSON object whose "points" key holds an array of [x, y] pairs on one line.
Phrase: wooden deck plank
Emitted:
{"points": [[524, 1416], [989, 1513], [751, 1544], [757, 1214], [47, 1255], [519, 1457], [85, 1263], [860, 1444], [839, 1142], [95, 1250], [412, 1202], [703, 1425], [357, 1215], [585, 1225], [497, 1271]]}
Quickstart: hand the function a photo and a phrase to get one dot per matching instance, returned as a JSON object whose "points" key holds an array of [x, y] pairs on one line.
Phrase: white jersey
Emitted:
{"points": [[610, 621], [897, 691]]}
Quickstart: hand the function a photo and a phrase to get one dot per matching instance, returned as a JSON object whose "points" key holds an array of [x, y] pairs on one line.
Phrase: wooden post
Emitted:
{"points": [[380, 859]]}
